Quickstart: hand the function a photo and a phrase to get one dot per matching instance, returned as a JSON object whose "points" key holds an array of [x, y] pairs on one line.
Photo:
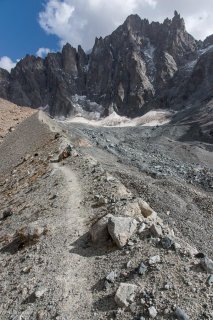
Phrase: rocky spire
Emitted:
{"points": [[177, 21]]}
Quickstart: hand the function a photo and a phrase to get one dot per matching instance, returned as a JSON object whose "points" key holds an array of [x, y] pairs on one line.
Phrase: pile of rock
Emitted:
{"points": [[142, 219]]}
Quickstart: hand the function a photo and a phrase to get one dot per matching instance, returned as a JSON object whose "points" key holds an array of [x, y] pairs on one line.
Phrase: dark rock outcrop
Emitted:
{"points": [[4, 83], [138, 66]]}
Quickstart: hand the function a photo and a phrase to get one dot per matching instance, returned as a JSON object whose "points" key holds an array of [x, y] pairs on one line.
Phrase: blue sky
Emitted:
{"points": [[20, 32], [40, 26]]}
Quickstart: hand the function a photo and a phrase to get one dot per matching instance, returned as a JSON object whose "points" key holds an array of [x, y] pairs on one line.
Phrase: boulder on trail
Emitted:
{"points": [[121, 229], [99, 231], [125, 294]]}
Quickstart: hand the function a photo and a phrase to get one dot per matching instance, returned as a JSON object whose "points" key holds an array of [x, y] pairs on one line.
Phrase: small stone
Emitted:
{"points": [[107, 285], [166, 243], [125, 294], [156, 230], [57, 135], [65, 153], [6, 213], [129, 263], [26, 270], [207, 264], [177, 246], [100, 201], [111, 276], [40, 292], [180, 314], [168, 286], [142, 269], [75, 153], [41, 315], [54, 196], [154, 260], [131, 243], [146, 210], [142, 228], [209, 280], [30, 233], [152, 312]]}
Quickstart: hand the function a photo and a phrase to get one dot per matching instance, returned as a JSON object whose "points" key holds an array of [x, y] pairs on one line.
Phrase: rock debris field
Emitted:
{"points": [[104, 223]]}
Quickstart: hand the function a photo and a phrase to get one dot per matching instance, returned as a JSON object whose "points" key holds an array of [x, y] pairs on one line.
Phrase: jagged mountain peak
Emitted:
{"points": [[133, 21], [125, 70]]}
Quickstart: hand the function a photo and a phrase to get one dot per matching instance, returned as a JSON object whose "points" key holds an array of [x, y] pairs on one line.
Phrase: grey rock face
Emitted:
{"points": [[4, 83], [138, 66]]}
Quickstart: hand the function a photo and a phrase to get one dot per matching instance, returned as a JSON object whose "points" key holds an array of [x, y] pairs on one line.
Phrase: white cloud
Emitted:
{"points": [[80, 21], [42, 52], [6, 63]]}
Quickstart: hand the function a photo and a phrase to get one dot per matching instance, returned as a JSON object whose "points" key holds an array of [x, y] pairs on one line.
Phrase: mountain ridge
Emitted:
{"points": [[138, 66]]}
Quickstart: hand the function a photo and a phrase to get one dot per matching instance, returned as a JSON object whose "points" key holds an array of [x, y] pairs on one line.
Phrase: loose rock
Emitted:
{"points": [[99, 231], [152, 312], [121, 229], [7, 213], [207, 264], [156, 230], [142, 268], [166, 243], [65, 153], [146, 210], [111, 276], [32, 232], [180, 314], [209, 280], [40, 292], [125, 294], [154, 260]]}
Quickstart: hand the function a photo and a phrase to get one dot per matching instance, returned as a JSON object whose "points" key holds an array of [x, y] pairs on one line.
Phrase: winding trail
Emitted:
{"points": [[76, 268]]}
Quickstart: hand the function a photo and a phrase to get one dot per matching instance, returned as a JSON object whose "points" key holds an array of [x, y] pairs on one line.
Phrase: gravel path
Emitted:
{"points": [[76, 269]]}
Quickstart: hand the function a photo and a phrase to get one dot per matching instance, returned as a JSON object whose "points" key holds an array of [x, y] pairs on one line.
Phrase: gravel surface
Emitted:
{"points": [[175, 177], [50, 269]]}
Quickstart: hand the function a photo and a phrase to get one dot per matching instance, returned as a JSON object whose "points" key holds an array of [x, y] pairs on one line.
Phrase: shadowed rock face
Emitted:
{"points": [[4, 83], [127, 70]]}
